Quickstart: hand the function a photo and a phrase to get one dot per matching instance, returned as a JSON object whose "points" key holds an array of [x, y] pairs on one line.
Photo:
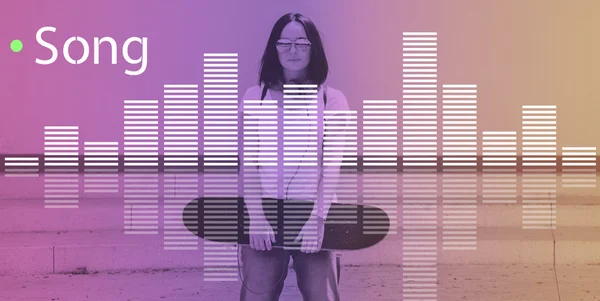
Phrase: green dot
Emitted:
{"points": [[16, 45]]}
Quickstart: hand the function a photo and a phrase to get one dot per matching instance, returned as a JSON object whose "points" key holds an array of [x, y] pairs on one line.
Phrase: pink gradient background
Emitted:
{"points": [[517, 52]]}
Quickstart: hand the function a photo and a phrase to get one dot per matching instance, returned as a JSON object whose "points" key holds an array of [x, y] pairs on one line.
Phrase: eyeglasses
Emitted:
{"points": [[284, 45]]}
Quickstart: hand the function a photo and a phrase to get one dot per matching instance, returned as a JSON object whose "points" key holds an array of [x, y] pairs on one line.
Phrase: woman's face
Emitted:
{"points": [[293, 47]]}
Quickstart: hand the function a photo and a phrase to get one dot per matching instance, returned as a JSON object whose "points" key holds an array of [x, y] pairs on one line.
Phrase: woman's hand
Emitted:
{"points": [[311, 235], [261, 233]]}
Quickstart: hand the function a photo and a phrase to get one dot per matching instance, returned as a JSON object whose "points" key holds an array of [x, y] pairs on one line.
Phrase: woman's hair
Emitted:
{"points": [[271, 71]]}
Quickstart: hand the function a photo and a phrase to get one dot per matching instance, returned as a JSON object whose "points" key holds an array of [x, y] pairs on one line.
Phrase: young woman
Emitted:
{"points": [[294, 55]]}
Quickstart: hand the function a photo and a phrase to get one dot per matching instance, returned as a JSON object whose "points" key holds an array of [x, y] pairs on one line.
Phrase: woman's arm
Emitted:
{"points": [[336, 119], [250, 164]]}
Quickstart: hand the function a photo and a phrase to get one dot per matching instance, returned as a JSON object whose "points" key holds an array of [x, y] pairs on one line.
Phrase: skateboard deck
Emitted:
{"points": [[226, 220]]}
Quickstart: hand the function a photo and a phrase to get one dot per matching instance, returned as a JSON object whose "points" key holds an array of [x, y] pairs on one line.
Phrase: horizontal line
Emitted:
{"points": [[538, 106], [458, 86], [57, 127], [180, 86], [419, 33], [419, 80], [220, 54]]}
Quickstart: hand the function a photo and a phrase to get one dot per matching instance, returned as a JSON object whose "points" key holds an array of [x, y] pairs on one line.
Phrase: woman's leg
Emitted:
{"points": [[263, 273], [317, 275]]}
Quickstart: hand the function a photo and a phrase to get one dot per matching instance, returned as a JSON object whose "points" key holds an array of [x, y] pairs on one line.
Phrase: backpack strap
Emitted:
{"points": [[320, 154], [264, 92]]}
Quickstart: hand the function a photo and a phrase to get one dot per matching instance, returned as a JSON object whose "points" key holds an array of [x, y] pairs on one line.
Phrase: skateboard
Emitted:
{"points": [[226, 220]]}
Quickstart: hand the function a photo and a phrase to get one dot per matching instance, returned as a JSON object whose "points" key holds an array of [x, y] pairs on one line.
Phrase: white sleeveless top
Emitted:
{"points": [[300, 175]]}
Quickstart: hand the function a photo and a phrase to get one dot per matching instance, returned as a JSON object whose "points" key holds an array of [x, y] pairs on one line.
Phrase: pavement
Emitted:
{"points": [[82, 254], [507, 282]]}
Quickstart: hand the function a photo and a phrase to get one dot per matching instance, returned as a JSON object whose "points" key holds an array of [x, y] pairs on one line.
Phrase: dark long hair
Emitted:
{"points": [[271, 71]]}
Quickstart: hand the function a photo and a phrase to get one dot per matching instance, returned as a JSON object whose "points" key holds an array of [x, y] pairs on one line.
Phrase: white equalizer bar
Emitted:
{"points": [[61, 167], [220, 164], [300, 152], [539, 180], [180, 177], [21, 166], [101, 167], [499, 166], [380, 162], [419, 178], [340, 151], [579, 167], [141, 166], [459, 167]]}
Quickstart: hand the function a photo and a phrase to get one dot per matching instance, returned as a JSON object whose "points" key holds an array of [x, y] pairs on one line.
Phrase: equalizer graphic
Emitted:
{"points": [[61, 165], [180, 153], [140, 167], [101, 167], [420, 183], [221, 142], [422, 158]]}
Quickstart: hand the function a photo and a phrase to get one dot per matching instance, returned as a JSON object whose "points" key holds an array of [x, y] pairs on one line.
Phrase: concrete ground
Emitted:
{"points": [[40, 249], [509, 282]]}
